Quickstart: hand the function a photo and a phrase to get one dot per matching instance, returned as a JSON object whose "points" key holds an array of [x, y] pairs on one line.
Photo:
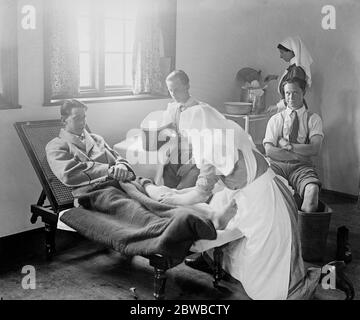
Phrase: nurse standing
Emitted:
{"points": [[293, 51]]}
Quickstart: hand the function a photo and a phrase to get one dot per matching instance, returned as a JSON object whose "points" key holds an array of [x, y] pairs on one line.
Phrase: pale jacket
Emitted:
{"points": [[77, 162]]}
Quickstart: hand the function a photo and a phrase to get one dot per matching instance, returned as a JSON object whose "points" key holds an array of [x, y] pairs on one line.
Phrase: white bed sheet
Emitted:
{"points": [[61, 225]]}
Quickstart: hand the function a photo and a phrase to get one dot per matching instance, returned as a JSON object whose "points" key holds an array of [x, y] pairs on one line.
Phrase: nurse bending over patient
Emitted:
{"points": [[265, 256]]}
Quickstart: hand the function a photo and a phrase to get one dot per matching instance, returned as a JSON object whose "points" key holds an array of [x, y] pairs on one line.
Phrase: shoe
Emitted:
{"points": [[342, 281], [343, 249], [198, 262]]}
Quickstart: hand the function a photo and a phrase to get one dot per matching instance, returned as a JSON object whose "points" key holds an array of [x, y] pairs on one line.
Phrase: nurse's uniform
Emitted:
{"points": [[263, 247]]}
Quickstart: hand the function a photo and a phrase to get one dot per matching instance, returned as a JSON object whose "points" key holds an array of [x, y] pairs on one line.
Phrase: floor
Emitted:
{"points": [[85, 270]]}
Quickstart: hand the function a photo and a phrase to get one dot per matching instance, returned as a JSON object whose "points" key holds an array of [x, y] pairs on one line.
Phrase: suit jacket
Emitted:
{"points": [[76, 162]]}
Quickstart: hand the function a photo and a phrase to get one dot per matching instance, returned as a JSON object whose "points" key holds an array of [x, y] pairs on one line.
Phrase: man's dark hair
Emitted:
{"points": [[300, 82], [68, 105]]}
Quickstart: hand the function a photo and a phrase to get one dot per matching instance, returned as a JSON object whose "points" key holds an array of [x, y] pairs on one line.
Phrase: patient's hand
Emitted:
{"points": [[120, 172]]}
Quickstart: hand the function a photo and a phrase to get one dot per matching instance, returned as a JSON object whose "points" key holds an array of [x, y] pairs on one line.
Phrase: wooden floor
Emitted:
{"points": [[85, 270]]}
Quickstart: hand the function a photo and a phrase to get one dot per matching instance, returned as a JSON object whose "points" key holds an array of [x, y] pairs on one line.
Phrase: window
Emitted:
{"points": [[89, 47], [106, 35]]}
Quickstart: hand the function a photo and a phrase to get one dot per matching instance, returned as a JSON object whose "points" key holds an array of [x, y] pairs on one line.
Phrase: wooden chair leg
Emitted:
{"points": [[159, 283], [218, 271], [49, 240]]}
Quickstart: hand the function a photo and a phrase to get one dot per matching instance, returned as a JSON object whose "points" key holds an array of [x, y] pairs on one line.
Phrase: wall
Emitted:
{"points": [[215, 39], [19, 185]]}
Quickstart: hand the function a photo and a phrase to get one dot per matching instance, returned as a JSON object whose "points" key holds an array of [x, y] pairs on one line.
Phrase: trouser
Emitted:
{"points": [[180, 179], [298, 174]]}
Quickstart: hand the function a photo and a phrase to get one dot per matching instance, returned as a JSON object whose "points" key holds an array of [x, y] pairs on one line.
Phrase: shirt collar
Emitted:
{"points": [[189, 103], [68, 135], [79, 141], [299, 111]]}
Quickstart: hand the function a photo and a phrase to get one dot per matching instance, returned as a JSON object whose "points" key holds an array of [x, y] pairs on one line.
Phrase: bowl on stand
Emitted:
{"points": [[238, 108]]}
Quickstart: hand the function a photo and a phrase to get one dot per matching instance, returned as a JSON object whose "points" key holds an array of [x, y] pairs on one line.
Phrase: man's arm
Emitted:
{"points": [[199, 193], [309, 150], [69, 169], [274, 143], [316, 138], [279, 154], [294, 151], [121, 164]]}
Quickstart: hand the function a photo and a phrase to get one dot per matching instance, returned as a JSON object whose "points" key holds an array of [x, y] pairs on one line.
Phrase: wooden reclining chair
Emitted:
{"points": [[34, 136]]}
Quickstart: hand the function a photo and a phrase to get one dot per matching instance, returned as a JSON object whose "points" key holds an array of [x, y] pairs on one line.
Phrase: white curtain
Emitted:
{"points": [[148, 50], [62, 53], [8, 55]]}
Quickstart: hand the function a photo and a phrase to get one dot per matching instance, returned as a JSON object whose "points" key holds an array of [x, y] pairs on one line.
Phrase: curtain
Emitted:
{"points": [[8, 55], [62, 70], [148, 50]]}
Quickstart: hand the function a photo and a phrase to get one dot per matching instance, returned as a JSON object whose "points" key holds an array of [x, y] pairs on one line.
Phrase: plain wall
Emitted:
{"points": [[215, 39], [19, 185]]}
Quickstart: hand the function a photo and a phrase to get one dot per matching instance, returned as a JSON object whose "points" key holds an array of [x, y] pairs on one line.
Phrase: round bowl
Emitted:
{"points": [[238, 107]]}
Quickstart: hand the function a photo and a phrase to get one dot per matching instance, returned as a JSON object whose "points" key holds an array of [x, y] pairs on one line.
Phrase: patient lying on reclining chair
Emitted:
{"points": [[82, 160]]}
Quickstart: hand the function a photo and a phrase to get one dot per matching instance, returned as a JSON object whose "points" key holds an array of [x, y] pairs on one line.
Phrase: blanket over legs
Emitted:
{"points": [[121, 216]]}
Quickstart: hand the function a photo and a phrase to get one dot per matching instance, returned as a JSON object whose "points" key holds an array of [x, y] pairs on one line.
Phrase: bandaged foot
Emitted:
{"points": [[222, 218], [311, 198]]}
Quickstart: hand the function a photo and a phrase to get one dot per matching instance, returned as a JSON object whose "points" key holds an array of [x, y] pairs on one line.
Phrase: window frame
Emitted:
{"points": [[97, 53], [117, 94]]}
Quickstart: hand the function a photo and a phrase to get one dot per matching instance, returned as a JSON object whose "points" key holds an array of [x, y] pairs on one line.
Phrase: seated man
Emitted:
{"points": [[80, 159], [292, 137], [180, 173]]}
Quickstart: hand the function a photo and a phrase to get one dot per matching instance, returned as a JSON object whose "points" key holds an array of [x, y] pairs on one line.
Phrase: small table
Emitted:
{"points": [[253, 124]]}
